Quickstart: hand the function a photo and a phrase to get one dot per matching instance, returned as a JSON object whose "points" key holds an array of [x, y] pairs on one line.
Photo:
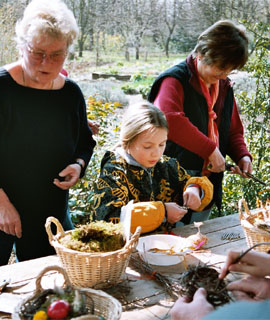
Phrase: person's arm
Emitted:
{"points": [[254, 263], [111, 191], [10, 221], [241, 310], [236, 145], [185, 309], [170, 100], [86, 143], [83, 152]]}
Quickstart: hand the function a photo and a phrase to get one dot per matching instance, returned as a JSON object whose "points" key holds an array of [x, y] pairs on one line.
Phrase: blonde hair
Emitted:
{"points": [[46, 18], [137, 119]]}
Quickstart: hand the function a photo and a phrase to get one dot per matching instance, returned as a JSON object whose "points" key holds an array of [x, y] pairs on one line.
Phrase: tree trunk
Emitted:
{"points": [[137, 53], [145, 55], [127, 54], [97, 49], [80, 43], [103, 42], [167, 47], [91, 39]]}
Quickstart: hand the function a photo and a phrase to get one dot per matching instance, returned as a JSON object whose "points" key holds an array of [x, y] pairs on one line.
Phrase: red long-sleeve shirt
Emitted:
{"points": [[170, 100]]}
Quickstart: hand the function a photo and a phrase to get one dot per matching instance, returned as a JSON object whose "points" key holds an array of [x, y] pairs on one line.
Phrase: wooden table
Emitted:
{"points": [[142, 298]]}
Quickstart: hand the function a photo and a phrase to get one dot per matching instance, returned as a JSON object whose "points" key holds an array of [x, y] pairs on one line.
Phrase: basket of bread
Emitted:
{"points": [[256, 224], [66, 302], [94, 255]]}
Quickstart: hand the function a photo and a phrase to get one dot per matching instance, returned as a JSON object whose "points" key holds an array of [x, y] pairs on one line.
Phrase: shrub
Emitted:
{"points": [[107, 114], [105, 90], [139, 84], [255, 108]]}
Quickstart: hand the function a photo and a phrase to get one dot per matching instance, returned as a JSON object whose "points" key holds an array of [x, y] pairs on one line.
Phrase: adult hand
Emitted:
{"points": [[192, 198], [183, 309], [94, 126], [174, 212], [217, 161], [71, 174], [254, 263], [251, 288], [10, 221], [244, 165]]}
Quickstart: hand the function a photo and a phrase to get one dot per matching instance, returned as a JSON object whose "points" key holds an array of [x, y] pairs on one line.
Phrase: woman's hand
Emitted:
{"points": [[71, 174], [191, 197], [217, 161], [251, 288], [184, 309], [10, 221], [254, 263], [244, 165], [174, 212]]}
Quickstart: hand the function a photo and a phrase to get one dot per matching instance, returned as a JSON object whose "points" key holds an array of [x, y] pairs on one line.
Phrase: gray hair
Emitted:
{"points": [[46, 18], [137, 119]]}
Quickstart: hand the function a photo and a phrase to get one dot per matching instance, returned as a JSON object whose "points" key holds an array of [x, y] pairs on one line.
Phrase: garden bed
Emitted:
{"points": [[122, 77]]}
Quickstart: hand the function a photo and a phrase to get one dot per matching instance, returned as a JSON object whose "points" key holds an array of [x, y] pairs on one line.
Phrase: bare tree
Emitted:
{"points": [[133, 19], [82, 12], [248, 10], [169, 18], [197, 15]]}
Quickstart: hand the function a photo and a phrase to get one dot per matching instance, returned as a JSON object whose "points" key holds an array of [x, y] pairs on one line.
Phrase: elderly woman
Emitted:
{"points": [[45, 141], [198, 101]]}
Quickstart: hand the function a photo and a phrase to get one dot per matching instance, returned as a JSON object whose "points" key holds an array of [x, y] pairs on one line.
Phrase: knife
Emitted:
{"points": [[228, 167]]}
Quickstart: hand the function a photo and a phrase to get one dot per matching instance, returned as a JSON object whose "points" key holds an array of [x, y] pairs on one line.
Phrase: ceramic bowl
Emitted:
{"points": [[162, 242]]}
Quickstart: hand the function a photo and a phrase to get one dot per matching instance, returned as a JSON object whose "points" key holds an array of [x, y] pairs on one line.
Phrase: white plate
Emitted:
{"points": [[162, 241]]}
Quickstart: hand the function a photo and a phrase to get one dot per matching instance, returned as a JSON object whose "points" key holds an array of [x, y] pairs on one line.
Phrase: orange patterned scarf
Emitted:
{"points": [[211, 95]]}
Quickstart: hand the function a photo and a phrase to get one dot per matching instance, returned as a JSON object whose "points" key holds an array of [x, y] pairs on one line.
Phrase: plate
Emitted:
{"points": [[161, 242]]}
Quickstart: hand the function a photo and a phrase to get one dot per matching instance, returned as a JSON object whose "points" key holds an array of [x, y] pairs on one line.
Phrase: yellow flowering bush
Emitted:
{"points": [[107, 115]]}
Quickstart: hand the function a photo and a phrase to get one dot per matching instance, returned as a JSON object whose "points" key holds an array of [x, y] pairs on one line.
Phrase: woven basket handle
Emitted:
{"points": [[49, 229], [242, 203], [47, 269], [134, 239]]}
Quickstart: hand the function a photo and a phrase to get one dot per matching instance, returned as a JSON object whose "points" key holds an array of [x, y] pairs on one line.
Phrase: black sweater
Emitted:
{"points": [[41, 132]]}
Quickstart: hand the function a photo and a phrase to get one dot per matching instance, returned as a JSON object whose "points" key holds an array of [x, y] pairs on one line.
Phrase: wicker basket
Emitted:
{"points": [[96, 270], [253, 234], [97, 302]]}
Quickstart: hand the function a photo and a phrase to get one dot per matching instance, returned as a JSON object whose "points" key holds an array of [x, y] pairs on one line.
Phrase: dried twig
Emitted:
{"points": [[171, 287], [196, 277], [207, 278]]}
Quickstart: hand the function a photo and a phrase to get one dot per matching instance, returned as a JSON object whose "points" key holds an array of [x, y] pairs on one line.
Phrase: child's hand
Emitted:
{"points": [[174, 212], [192, 198]]}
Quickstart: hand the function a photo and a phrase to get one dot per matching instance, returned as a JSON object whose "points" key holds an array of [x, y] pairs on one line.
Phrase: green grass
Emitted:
{"points": [[115, 63]]}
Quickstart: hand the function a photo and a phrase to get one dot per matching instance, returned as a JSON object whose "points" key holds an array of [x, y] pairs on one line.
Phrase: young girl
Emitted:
{"points": [[137, 170]]}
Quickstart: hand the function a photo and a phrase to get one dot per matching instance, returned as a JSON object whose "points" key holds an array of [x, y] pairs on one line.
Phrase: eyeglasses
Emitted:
{"points": [[219, 73], [39, 56]]}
